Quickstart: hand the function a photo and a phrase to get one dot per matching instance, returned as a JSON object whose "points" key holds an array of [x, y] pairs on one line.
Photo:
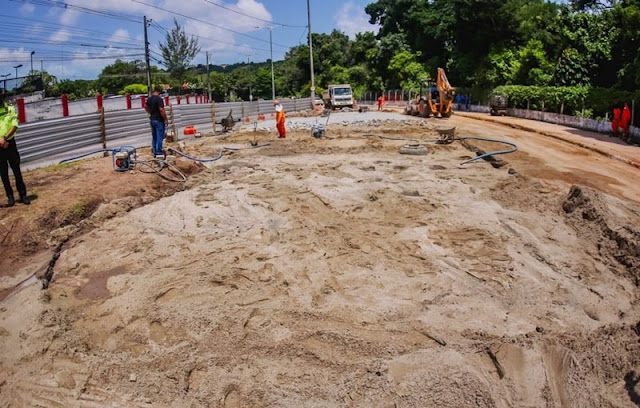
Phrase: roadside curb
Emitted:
{"points": [[554, 136]]}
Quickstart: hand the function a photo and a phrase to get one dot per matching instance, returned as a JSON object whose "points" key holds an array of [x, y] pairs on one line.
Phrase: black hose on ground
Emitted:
{"points": [[495, 153], [85, 155], [157, 165]]}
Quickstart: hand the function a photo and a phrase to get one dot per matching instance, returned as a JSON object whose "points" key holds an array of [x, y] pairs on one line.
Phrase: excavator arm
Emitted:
{"points": [[447, 93], [433, 103]]}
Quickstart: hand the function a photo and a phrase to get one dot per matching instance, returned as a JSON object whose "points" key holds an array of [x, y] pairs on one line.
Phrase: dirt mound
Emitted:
{"points": [[589, 213], [524, 194], [115, 208]]}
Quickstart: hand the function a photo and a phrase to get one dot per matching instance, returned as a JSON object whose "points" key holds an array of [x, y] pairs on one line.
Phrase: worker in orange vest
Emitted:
{"points": [[615, 122], [625, 121], [280, 119]]}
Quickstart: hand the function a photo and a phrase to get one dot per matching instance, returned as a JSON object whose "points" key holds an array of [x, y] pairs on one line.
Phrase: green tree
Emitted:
{"points": [[81, 88], [534, 68], [178, 50], [500, 68], [37, 80], [626, 47], [388, 47], [406, 72], [116, 76]]}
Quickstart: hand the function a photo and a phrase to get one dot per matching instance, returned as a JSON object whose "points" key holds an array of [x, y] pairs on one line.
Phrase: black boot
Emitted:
{"points": [[11, 201], [24, 200]]}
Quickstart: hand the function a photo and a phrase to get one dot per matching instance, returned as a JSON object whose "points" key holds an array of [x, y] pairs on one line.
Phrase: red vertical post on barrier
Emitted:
{"points": [[128, 96], [178, 99], [166, 100], [187, 98], [99, 101], [22, 114], [143, 100], [65, 105]]}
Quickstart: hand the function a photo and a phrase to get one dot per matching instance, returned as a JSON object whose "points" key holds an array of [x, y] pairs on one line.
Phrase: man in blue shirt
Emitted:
{"points": [[9, 155]]}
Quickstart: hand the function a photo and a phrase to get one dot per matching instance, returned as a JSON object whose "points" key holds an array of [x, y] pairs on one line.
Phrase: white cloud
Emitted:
{"points": [[119, 35], [10, 58], [60, 36], [69, 17], [223, 45], [352, 19], [27, 9]]}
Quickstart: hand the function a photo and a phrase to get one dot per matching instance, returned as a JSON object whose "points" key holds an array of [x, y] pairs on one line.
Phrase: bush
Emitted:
{"points": [[135, 89], [587, 113], [570, 99]]}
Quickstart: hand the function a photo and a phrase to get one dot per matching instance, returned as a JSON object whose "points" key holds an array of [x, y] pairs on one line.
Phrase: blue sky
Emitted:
{"points": [[73, 43]]}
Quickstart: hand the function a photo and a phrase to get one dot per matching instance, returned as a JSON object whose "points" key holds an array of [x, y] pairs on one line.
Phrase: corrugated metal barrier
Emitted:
{"points": [[65, 137], [126, 127], [51, 137]]}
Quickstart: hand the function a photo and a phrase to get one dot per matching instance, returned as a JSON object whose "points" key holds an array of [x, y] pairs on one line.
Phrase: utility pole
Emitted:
{"points": [[41, 65], [273, 80], [208, 76], [147, 55], [250, 78], [313, 80]]}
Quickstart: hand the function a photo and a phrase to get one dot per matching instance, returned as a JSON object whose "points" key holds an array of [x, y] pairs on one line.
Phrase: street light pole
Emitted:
{"points": [[313, 81], [16, 67], [32, 52], [273, 80]]}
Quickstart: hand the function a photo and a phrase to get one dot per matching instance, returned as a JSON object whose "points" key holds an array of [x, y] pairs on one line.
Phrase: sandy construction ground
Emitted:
{"points": [[340, 273]]}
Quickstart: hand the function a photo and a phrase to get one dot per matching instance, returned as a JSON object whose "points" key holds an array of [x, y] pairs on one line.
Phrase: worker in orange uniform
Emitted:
{"points": [[280, 119], [625, 121], [615, 122]]}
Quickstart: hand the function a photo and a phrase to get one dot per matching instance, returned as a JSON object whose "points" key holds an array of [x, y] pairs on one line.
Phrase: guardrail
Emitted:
{"points": [[48, 140]]}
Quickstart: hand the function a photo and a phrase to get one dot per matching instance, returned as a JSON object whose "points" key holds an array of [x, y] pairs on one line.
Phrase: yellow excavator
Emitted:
{"points": [[438, 100]]}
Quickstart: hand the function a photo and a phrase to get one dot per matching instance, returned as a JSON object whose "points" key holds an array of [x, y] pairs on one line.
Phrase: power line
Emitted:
{"points": [[75, 58], [206, 22], [158, 27], [68, 6], [56, 26], [68, 43], [302, 35], [253, 17]]}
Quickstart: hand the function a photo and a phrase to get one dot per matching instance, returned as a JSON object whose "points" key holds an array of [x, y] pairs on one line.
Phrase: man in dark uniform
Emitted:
{"points": [[9, 155]]}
